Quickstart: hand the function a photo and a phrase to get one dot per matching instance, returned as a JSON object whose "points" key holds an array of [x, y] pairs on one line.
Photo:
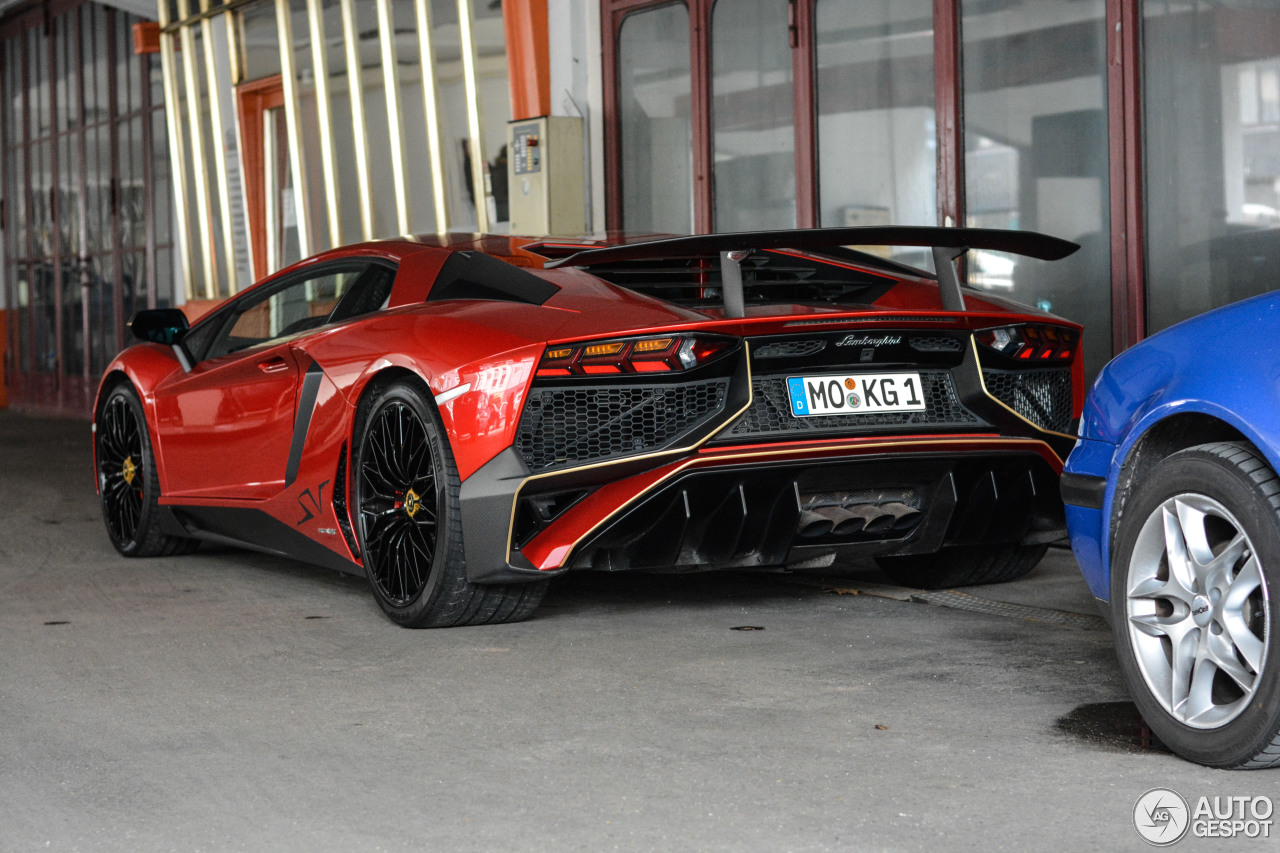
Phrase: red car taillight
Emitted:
{"points": [[1040, 343], [667, 354]]}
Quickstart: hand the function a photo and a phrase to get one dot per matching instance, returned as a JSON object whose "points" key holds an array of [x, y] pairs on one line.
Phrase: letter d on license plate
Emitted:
{"points": [[855, 394]]}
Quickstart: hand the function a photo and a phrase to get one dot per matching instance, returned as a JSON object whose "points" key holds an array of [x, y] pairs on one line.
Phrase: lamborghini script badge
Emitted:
{"points": [[868, 341]]}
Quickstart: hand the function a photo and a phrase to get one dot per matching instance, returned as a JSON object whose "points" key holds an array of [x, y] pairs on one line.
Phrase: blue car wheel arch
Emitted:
{"points": [[1221, 368]]}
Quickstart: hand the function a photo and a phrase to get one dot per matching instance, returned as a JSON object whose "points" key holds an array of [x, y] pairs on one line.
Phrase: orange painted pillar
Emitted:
{"points": [[528, 57], [197, 308]]}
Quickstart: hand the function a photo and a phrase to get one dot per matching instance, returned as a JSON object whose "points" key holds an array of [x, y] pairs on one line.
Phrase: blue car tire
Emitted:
{"points": [[1196, 604]]}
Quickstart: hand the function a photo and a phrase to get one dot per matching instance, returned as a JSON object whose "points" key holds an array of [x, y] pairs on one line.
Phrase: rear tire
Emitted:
{"points": [[409, 522], [128, 485], [964, 565]]}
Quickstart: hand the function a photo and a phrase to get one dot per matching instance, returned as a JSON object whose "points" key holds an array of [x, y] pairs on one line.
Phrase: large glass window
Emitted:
{"points": [[365, 144], [342, 125], [66, 66], [419, 186], [656, 121], [877, 131], [80, 146], [16, 273], [301, 305], [377, 130], [753, 115], [40, 194], [495, 102], [1036, 153], [259, 46], [1212, 154]]}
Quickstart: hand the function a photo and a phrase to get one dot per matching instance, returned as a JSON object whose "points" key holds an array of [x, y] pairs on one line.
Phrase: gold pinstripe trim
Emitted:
{"points": [[1028, 442], [515, 499], [977, 358]]}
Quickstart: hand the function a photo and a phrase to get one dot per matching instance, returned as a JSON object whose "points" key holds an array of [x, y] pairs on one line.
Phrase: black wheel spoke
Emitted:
{"points": [[378, 530], [419, 463], [121, 465], [426, 517], [397, 502], [375, 484], [423, 543]]}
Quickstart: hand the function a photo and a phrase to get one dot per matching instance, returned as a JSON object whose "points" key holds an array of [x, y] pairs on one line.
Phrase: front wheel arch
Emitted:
{"points": [[1161, 440]]}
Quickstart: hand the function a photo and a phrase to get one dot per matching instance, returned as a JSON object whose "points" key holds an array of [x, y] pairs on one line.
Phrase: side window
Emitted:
{"points": [[368, 293], [301, 304]]}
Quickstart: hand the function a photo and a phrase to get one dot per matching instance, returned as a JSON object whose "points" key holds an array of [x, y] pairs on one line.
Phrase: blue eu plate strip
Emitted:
{"points": [[799, 404]]}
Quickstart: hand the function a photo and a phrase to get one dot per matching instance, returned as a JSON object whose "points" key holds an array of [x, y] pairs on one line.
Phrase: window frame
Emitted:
{"points": [[1124, 23], [226, 316]]}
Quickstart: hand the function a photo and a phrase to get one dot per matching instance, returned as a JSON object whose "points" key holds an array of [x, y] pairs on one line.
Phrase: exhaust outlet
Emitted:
{"points": [[813, 523], [877, 519], [874, 519], [904, 516], [850, 522], [843, 521]]}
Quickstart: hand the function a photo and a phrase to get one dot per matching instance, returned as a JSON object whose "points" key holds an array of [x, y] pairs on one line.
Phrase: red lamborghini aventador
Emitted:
{"points": [[462, 419]]}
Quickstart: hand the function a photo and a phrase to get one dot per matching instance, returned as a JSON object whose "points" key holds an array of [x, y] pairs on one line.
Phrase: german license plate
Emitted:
{"points": [[855, 394]]}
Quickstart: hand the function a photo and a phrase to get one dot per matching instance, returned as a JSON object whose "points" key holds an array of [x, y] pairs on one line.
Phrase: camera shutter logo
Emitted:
{"points": [[1161, 817]]}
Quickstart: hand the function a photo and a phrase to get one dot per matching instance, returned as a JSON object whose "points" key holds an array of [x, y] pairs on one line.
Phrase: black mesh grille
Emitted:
{"points": [[936, 344], [790, 349], [770, 412], [577, 425], [1041, 396], [340, 502]]}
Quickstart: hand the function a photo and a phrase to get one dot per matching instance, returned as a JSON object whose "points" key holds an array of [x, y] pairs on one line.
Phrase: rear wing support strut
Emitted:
{"points": [[735, 303], [944, 263]]}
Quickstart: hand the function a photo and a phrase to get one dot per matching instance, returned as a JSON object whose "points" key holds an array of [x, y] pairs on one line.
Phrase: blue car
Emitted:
{"points": [[1173, 505]]}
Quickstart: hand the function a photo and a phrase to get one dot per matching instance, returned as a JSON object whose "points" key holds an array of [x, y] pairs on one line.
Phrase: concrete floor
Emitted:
{"points": [[232, 701]]}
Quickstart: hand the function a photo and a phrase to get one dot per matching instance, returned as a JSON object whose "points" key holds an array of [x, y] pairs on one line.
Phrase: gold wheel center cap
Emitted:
{"points": [[130, 470], [412, 503]]}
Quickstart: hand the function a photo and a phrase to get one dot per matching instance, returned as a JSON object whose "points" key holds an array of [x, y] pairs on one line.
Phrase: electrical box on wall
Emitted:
{"points": [[545, 176]]}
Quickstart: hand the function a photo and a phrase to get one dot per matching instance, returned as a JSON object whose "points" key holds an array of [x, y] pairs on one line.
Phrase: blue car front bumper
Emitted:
{"points": [[1087, 493]]}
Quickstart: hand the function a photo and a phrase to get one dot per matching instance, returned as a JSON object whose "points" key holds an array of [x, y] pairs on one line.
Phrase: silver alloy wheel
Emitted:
{"points": [[1196, 602]]}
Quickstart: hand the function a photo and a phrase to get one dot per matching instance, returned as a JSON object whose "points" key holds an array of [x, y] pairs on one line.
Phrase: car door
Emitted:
{"points": [[226, 426]]}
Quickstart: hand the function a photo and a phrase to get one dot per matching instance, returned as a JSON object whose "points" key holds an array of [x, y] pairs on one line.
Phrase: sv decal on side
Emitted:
{"points": [[305, 498]]}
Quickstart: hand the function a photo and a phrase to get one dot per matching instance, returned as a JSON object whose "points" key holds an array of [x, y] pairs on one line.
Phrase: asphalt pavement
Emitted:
{"points": [[227, 700]]}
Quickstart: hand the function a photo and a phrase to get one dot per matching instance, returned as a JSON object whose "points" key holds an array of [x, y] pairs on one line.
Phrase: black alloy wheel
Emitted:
{"points": [[400, 502], [120, 468], [128, 486], [405, 490]]}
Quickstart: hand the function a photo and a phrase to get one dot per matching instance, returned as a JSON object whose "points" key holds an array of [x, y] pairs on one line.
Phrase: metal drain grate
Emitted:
{"points": [[963, 601]]}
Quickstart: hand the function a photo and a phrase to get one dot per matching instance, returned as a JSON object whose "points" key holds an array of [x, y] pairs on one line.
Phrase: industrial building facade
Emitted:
{"points": [[176, 163]]}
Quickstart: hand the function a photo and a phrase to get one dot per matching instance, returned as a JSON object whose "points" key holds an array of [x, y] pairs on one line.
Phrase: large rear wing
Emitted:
{"points": [[733, 247]]}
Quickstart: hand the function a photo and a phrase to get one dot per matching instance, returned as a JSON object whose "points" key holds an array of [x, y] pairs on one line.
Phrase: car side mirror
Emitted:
{"points": [[160, 325]]}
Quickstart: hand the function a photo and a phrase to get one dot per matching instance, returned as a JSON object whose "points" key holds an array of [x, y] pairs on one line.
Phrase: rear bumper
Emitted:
{"points": [[593, 483], [742, 506]]}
